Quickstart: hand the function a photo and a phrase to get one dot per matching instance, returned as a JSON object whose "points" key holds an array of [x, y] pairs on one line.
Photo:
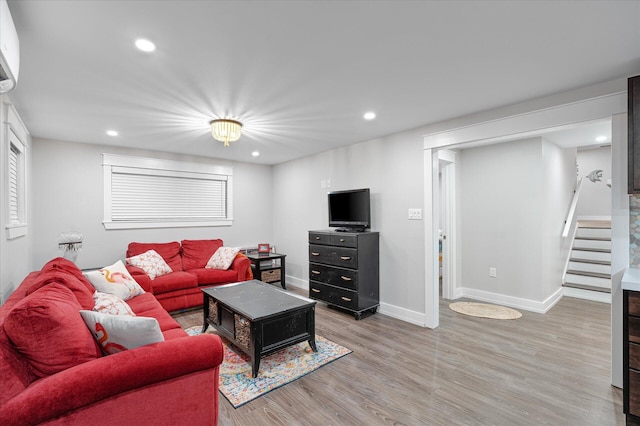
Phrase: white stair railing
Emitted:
{"points": [[568, 223]]}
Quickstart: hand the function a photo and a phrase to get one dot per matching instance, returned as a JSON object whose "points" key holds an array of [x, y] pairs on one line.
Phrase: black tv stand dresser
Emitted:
{"points": [[344, 270]]}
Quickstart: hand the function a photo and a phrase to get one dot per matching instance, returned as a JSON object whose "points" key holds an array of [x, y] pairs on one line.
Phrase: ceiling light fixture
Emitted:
{"points": [[369, 115], [226, 130], [601, 138], [255, 153], [112, 133], [145, 45]]}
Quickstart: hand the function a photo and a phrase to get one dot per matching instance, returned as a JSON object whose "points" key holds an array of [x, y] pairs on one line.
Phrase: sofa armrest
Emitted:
{"points": [[98, 380], [242, 265], [140, 277]]}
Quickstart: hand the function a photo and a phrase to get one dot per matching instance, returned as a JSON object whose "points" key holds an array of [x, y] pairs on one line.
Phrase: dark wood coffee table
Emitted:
{"points": [[259, 318]]}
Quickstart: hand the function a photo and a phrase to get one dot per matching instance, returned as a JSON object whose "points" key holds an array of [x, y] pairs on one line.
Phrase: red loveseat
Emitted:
{"points": [[182, 288], [52, 370]]}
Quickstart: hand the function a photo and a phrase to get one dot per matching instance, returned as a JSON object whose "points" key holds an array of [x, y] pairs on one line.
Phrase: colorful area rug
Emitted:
{"points": [[276, 370], [485, 310]]}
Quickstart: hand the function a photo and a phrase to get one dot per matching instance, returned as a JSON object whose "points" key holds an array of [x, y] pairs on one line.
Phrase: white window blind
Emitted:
{"points": [[143, 193], [14, 201]]}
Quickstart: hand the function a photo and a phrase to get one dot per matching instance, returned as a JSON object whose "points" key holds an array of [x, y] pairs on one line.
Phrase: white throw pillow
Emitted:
{"points": [[117, 333], [222, 258], [151, 263], [109, 304], [115, 279]]}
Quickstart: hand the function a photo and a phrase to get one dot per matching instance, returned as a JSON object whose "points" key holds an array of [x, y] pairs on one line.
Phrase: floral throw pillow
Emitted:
{"points": [[151, 263], [222, 258], [115, 279], [109, 304], [117, 333]]}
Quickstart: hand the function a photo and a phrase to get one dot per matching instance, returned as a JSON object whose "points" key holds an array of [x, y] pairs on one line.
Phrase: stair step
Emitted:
{"points": [[587, 287], [594, 261], [589, 274], [588, 267], [594, 250], [587, 238]]}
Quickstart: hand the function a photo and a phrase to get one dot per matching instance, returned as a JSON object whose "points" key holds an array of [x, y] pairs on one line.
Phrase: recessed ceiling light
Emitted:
{"points": [[112, 133], [255, 153], [601, 138], [145, 45], [369, 115]]}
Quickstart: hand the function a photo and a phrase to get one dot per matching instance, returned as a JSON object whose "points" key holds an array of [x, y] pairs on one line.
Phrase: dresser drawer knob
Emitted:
{"points": [[315, 290], [346, 299], [345, 257], [313, 253], [317, 238], [345, 278], [342, 240], [315, 272]]}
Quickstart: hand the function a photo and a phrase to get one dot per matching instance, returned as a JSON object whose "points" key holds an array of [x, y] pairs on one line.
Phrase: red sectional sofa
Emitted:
{"points": [[187, 259], [52, 370]]}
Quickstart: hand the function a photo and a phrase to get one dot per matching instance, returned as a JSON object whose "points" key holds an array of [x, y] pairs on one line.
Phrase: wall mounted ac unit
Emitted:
{"points": [[9, 50]]}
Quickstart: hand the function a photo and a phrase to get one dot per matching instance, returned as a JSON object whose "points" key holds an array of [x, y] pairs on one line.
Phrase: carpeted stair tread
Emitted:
{"points": [[588, 274], [595, 262]]}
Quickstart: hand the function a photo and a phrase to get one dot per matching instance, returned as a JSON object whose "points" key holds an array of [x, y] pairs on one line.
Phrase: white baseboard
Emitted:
{"points": [[579, 293], [513, 302], [297, 282], [406, 315], [417, 318]]}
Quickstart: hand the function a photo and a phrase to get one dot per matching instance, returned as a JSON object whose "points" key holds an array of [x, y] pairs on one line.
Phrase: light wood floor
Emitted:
{"points": [[551, 369]]}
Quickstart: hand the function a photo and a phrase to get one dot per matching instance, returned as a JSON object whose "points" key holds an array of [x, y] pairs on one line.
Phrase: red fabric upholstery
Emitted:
{"points": [[206, 276], [80, 291], [128, 375], [47, 329], [181, 289], [174, 281], [196, 253], [170, 252], [172, 382], [65, 265]]}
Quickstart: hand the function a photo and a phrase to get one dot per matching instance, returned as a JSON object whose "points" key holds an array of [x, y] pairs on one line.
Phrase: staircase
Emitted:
{"points": [[589, 265]]}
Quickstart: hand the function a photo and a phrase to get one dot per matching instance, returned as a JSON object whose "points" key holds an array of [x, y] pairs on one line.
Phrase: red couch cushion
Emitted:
{"points": [[170, 252], [146, 305], [65, 265], [82, 294], [174, 281], [46, 327], [196, 253], [215, 276]]}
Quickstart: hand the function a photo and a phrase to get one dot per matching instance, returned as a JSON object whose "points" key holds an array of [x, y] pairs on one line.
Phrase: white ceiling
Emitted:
{"points": [[300, 74]]}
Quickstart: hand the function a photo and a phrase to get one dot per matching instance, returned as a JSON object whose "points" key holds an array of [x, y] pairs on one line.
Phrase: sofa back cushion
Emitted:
{"points": [[79, 290], [170, 252], [196, 253], [47, 329], [60, 264]]}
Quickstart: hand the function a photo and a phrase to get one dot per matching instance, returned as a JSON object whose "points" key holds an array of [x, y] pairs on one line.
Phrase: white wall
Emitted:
{"points": [[392, 168], [558, 184], [595, 198], [68, 196], [15, 254], [514, 197]]}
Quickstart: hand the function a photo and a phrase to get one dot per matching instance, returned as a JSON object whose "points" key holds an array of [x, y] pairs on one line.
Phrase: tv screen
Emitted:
{"points": [[350, 209]]}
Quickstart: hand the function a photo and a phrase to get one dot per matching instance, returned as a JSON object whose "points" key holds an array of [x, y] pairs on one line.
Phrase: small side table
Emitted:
{"points": [[268, 267]]}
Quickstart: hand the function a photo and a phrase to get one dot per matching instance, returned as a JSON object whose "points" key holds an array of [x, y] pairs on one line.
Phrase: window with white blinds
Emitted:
{"points": [[15, 200], [14, 184], [149, 193]]}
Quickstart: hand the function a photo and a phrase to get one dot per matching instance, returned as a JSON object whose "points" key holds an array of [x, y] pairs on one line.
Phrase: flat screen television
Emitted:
{"points": [[350, 210]]}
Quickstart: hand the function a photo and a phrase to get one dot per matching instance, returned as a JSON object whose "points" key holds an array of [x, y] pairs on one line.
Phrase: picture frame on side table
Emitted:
{"points": [[264, 248]]}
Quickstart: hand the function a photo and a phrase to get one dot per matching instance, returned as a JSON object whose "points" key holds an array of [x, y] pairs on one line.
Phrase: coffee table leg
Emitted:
{"points": [[312, 343]]}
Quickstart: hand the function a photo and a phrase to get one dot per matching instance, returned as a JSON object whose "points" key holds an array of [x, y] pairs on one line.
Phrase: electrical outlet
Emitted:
{"points": [[415, 214], [323, 184], [328, 183], [492, 272]]}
